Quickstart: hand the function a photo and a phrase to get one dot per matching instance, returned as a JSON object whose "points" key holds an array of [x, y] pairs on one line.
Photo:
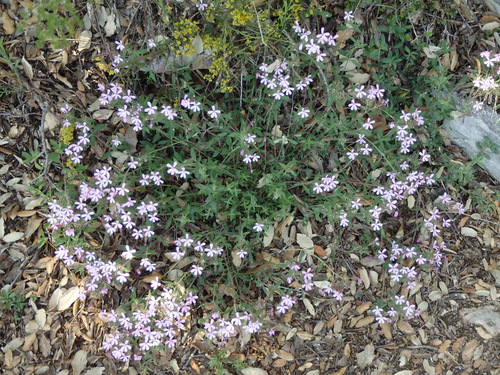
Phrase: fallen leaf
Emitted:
{"points": [[490, 26], [468, 232], [110, 27], [364, 321], [305, 335], [430, 51], [253, 371], [305, 242], [285, 355], [268, 237], [309, 306], [68, 298], [84, 40], [357, 77], [364, 277], [468, 350], [197, 44], [13, 237], [279, 363], [319, 251], [8, 24], [28, 69], [366, 357], [95, 371], [79, 362]]}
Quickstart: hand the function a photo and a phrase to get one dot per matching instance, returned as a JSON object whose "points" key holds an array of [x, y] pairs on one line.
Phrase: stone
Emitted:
{"points": [[466, 130], [487, 317]]}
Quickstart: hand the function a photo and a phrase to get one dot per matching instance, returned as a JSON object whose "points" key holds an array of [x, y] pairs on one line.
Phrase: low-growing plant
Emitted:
{"points": [[54, 21], [14, 302], [192, 185]]}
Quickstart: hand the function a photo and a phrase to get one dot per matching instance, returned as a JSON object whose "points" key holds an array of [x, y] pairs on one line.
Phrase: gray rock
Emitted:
{"points": [[466, 130], [485, 317]]}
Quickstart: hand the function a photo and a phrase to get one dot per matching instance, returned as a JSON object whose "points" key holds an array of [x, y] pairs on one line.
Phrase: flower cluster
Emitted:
{"points": [[220, 328], [281, 82], [487, 84], [125, 208], [248, 156], [156, 324], [302, 281], [125, 215]]}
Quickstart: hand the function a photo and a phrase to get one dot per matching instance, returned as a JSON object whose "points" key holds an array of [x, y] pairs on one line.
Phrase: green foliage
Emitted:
{"points": [[224, 196], [14, 302], [13, 81], [223, 364], [54, 21]]}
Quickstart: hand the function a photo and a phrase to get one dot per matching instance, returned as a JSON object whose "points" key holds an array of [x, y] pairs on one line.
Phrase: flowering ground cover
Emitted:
{"points": [[245, 188]]}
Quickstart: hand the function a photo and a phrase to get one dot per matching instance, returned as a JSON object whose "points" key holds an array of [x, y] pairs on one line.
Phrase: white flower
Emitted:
{"points": [[304, 113], [214, 113], [196, 270], [258, 227]]}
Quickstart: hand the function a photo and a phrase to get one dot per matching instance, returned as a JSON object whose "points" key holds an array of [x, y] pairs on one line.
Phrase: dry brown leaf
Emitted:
{"points": [[341, 371], [363, 307], [110, 27], [468, 350], [79, 362], [405, 327], [319, 251], [344, 35], [194, 365], [28, 69], [13, 344], [291, 334], [285, 355], [366, 357], [358, 77], [64, 80], [364, 277], [33, 225], [364, 321], [84, 40], [279, 363], [67, 298], [450, 60], [235, 257], [29, 341], [305, 335], [44, 345], [41, 317], [489, 18], [8, 24], [347, 350], [8, 358], [386, 329], [490, 26], [309, 306], [456, 345]]}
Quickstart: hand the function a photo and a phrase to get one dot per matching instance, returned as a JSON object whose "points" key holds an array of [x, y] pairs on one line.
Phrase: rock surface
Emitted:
{"points": [[466, 130], [486, 317]]}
